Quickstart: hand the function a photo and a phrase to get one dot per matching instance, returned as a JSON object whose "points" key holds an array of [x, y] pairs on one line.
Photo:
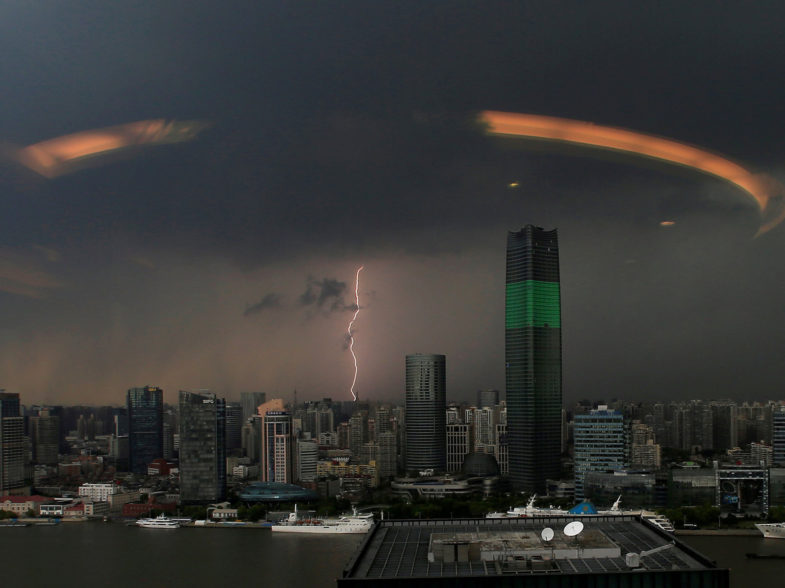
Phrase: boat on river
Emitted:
{"points": [[353, 523], [159, 522], [772, 530]]}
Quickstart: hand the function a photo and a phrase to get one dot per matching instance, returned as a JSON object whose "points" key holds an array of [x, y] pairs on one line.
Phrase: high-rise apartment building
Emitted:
{"points": [[145, 426], [600, 444], [533, 357], [12, 445], [426, 432], [459, 445], [202, 447]]}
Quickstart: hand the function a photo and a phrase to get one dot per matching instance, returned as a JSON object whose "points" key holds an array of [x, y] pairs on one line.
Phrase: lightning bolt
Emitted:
{"points": [[351, 324]]}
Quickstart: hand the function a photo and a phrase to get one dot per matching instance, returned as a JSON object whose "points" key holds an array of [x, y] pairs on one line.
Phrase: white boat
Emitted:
{"points": [[527, 511], [772, 530], [159, 522], [354, 523], [658, 521]]}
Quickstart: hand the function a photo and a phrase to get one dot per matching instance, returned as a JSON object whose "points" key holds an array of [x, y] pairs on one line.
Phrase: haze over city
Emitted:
{"points": [[334, 137]]}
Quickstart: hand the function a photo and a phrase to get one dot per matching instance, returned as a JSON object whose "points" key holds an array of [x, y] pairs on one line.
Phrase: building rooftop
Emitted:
{"points": [[487, 549]]}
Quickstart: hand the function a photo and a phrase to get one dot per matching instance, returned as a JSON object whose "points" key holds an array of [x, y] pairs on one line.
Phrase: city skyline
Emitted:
{"points": [[284, 148]]}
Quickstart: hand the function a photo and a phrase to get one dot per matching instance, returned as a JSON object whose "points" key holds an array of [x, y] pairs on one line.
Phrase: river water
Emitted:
{"points": [[112, 554]]}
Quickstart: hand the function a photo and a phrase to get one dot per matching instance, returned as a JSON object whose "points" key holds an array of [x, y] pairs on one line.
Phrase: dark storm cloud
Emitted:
{"points": [[326, 294], [269, 301], [347, 133]]}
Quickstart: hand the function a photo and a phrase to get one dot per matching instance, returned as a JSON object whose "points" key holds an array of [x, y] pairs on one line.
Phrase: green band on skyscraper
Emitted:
{"points": [[533, 303]]}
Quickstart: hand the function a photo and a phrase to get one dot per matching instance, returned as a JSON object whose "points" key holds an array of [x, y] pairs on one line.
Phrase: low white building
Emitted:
{"points": [[97, 492]]}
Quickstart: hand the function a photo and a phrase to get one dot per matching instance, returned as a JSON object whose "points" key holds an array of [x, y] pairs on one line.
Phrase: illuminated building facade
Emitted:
{"points": [[426, 429], [145, 426], [202, 447], [533, 357]]}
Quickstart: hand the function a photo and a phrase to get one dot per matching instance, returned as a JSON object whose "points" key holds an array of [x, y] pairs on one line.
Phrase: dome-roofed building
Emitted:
{"points": [[480, 464]]}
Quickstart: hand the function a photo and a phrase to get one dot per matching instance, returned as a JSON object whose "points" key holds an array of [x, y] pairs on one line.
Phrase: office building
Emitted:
{"points": [[487, 398], [276, 451], [45, 437], [459, 445], [145, 426], [12, 445], [202, 447], [600, 445], [533, 366], [778, 435], [250, 401], [234, 425], [426, 432]]}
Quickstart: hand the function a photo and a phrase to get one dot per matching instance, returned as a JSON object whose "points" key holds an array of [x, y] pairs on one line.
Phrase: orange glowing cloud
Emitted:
{"points": [[767, 192], [61, 155]]}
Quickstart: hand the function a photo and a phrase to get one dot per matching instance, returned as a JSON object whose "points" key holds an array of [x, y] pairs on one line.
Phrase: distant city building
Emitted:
{"points": [[487, 398], [250, 401], [307, 457], [426, 434], [234, 425], [45, 436], [276, 451], [600, 444], [12, 445], [98, 492], [778, 436], [145, 426], [202, 447], [533, 357], [459, 445]]}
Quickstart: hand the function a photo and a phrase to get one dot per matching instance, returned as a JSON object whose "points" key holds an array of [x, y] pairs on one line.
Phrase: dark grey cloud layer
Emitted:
{"points": [[346, 132]]}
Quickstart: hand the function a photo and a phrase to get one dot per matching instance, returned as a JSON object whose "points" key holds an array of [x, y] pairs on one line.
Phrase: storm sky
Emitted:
{"points": [[345, 134]]}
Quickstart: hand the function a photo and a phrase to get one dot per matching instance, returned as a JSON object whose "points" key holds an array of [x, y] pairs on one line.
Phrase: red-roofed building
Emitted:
{"points": [[20, 505], [135, 509]]}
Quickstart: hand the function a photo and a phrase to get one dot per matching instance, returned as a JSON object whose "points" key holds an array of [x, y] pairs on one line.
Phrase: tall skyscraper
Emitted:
{"points": [[12, 445], [533, 357], [600, 444], [277, 455], [45, 435], [145, 426], [202, 447], [234, 425], [778, 435], [426, 429]]}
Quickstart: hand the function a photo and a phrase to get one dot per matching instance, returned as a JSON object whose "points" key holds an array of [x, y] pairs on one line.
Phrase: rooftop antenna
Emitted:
{"points": [[547, 535]]}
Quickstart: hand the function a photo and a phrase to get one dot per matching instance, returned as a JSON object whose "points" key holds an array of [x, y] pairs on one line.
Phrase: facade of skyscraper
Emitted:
{"points": [[533, 357], [426, 431], [202, 447], [145, 426], [234, 425], [600, 445], [778, 435], [250, 401], [12, 445], [45, 436], [276, 454]]}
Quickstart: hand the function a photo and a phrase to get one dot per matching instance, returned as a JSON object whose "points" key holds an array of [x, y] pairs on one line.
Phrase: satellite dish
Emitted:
{"points": [[547, 534], [573, 529]]}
